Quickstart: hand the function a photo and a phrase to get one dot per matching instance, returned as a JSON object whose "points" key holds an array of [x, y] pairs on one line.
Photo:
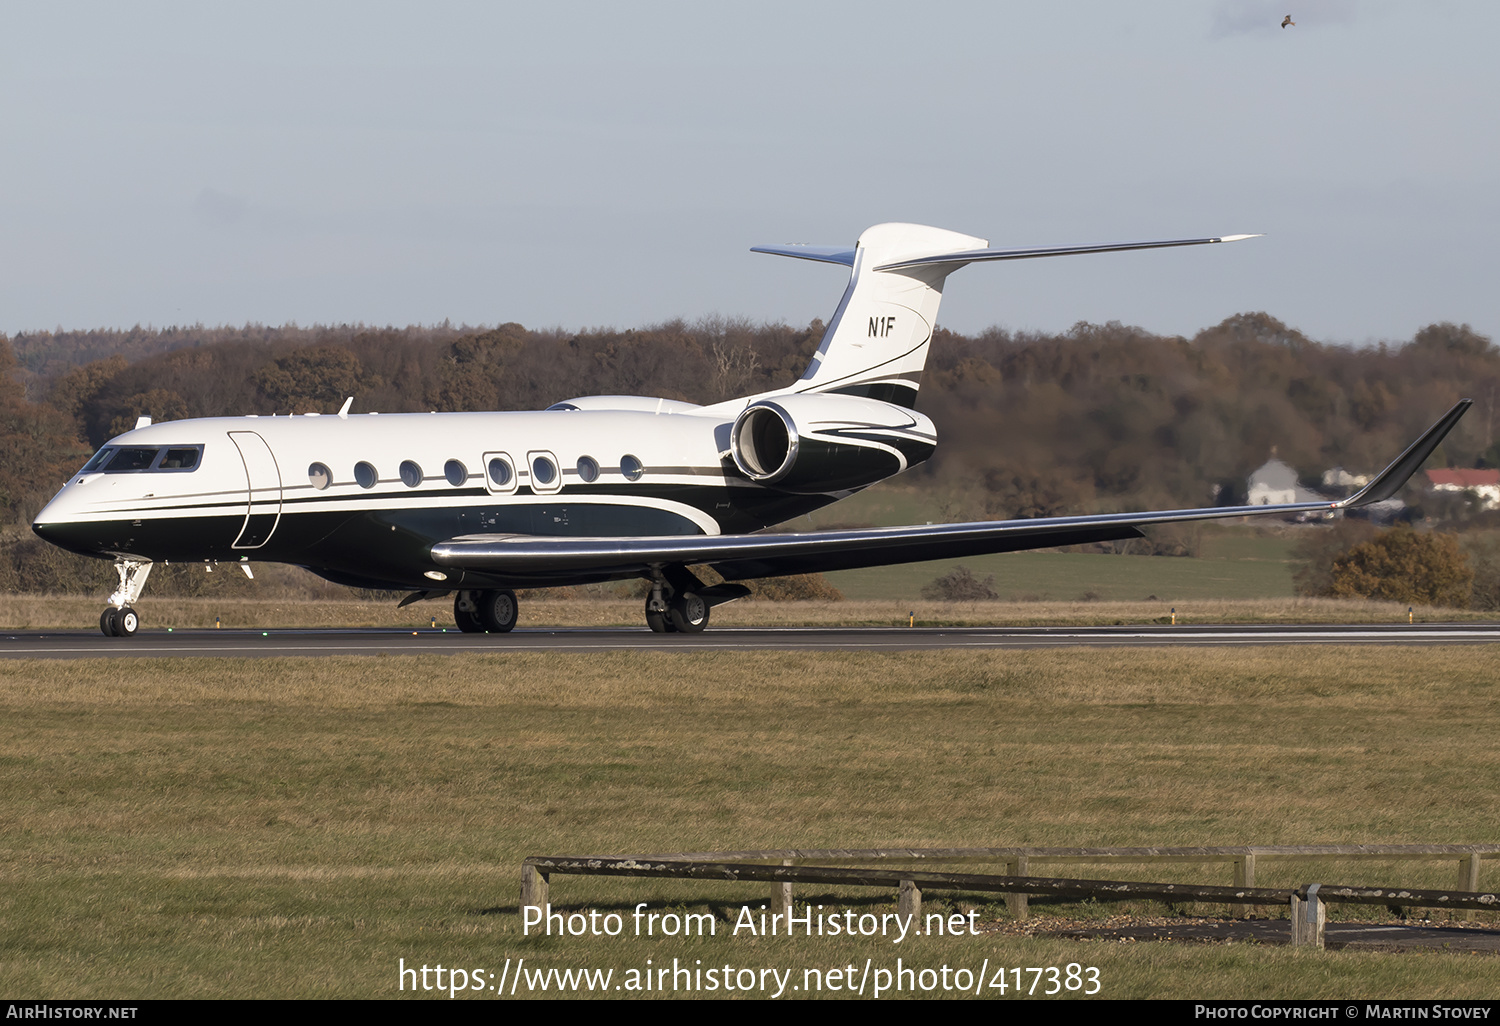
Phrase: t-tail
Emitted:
{"points": [[876, 344]]}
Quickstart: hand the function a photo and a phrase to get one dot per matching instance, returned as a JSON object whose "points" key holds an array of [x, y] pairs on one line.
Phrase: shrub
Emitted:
{"points": [[1484, 557], [1402, 565], [1319, 547], [960, 585], [796, 588]]}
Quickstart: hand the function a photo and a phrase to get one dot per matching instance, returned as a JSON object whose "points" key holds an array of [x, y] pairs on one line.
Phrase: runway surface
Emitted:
{"points": [[371, 641]]}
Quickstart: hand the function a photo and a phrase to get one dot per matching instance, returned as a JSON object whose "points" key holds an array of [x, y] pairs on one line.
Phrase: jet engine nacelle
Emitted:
{"points": [[821, 442]]}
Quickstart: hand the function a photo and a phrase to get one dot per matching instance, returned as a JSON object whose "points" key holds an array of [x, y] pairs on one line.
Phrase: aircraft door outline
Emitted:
{"points": [[263, 490]]}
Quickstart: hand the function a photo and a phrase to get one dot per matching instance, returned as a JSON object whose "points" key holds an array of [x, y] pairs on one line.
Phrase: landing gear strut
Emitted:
{"points": [[121, 620], [485, 612]]}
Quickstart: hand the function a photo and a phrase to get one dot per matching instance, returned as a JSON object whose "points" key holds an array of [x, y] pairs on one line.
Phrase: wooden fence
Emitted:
{"points": [[784, 868]]}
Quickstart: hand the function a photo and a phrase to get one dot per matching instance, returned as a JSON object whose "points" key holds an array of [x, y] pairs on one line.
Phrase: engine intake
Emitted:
{"points": [[818, 443]]}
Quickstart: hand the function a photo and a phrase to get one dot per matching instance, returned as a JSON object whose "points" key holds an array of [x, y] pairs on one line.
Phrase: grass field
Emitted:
{"points": [[1237, 561], [1076, 576], [296, 827], [40, 612]]}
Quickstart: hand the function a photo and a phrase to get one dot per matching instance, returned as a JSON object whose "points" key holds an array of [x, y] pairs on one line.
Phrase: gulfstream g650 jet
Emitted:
{"points": [[593, 489]]}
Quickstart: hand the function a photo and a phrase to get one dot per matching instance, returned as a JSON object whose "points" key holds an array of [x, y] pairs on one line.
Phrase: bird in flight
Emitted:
{"points": [[1287, 21]]}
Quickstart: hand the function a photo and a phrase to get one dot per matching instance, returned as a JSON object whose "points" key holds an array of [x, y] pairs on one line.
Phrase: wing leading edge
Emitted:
{"points": [[741, 557]]}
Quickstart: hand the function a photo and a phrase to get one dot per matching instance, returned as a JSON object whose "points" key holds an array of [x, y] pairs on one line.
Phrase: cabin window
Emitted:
{"points": [[543, 472], [501, 472], [455, 472], [365, 475], [632, 468], [411, 474], [320, 476], [588, 469]]}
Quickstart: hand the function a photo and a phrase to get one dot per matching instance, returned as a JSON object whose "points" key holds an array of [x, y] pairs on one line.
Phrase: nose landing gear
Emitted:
{"points": [[121, 620]]}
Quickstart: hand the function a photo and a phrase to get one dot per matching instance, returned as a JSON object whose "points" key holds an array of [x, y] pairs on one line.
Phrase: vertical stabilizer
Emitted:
{"points": [[876, 345]]}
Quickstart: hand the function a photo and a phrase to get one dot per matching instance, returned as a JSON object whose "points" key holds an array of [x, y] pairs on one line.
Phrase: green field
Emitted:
{"points": [[1067, 576], [295, 828], [1239, 561]]}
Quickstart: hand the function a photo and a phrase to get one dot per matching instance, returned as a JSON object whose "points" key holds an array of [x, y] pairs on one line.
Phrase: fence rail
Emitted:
{"points": [[780, 868], [1244, 859]]}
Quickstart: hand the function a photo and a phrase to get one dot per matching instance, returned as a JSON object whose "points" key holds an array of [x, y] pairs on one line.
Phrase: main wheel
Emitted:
{"points": [[689, 612], [466, 613], [660, 623], [127, 622], [497, 610], [107, 621]]}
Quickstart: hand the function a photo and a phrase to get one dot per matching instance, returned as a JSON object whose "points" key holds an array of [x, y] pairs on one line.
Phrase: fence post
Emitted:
{"points": [[533, 888], [1309, 917], [1244, 876], [1468, 879], [909, 900], [781, 895], [1018, 866]]}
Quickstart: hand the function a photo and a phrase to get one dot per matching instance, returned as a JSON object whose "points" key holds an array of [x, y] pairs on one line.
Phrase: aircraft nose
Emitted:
{"points": [[54, 525]]}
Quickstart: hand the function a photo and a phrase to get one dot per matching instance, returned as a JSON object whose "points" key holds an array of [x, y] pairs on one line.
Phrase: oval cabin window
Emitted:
{"points": [[500, 472]]}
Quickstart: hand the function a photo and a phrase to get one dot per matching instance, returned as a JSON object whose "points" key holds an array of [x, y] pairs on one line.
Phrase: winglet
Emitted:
{"points": [[1394, 477]]}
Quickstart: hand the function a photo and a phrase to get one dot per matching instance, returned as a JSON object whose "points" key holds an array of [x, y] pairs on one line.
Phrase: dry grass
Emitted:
{"points": [[227, 827], [43, 612]]}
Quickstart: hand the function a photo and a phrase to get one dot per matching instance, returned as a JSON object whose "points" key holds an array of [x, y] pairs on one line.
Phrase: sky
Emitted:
{"points": [[581, 165]]}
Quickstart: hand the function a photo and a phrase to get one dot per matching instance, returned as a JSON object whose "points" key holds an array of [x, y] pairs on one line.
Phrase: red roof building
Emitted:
{"points": [[1463, 480], [1483, 483]]}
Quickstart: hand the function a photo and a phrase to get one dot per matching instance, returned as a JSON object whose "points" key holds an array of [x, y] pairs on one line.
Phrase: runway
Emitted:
{"points": [[373, 641]]}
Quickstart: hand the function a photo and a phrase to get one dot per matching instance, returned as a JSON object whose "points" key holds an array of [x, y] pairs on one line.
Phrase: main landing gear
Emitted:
{"points": [[679, 603], [121, 620], [681, 614], [485, 612]]}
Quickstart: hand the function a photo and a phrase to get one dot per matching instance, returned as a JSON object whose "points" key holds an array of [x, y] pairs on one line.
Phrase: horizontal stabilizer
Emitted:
{"points": [[979, 255], [827, 254]]}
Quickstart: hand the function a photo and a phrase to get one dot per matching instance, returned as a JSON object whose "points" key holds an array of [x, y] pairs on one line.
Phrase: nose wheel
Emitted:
{"points": [[119, 623]]}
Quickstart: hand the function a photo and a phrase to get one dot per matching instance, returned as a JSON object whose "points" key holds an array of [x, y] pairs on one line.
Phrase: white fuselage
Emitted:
{"points": [[362, 498]]}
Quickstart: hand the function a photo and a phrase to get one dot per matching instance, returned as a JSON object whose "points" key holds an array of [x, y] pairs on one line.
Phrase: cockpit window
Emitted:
{"points": [[98, 459], [179, 459], [135, 459], [128, 459]]}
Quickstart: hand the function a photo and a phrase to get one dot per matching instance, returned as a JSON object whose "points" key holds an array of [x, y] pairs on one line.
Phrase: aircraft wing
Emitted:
{"points": [[745, 556]]}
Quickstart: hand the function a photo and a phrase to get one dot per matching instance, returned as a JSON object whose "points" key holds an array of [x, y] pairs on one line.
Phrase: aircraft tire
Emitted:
{"points": [[467, 620], [497, 611], [660, 623], [127, 622], [107, 623], [688, 612]]}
